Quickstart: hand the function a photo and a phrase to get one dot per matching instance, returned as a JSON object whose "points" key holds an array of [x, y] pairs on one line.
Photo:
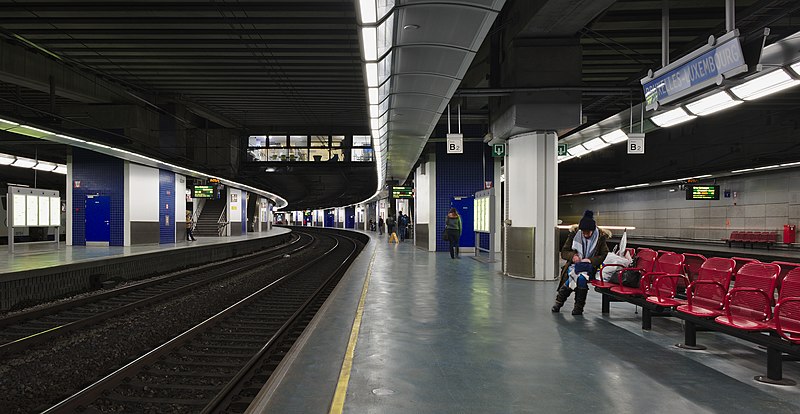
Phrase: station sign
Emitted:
{"points": [[402, 192], [702, 192], [498, 150], [704, 67], [635, 143], [455, 143]]}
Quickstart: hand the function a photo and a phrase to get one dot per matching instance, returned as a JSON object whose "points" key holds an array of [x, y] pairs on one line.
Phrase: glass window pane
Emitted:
{"points": [[337, 155], [278, 154], [277, 140], [337, 140], [299, 140], [298, 154], [319, 154], [362, 154], [362, 140], [319, 140], [259, 141], [256, 154]]}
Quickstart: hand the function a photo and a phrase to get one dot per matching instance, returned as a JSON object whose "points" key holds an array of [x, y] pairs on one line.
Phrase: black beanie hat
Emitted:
{"points": [[587, 222]]}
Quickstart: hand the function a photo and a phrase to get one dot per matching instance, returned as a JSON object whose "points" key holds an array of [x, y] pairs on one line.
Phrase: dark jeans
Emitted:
{"points": [[452, 237], [402, 233], [189, 234]]}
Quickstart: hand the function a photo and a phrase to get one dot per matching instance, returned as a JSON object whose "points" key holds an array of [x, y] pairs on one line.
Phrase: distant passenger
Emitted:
{"points": [[189, 228], [585, 250], [380, 225], [391, 228], [452, 231], [402, 225]]}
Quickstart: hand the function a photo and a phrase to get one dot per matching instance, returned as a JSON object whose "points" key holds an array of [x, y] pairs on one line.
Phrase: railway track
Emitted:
{"points": [[28, 329], [216, 365]]}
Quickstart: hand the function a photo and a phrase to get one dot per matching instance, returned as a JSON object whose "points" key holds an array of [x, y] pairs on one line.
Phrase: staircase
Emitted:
{"points": [[207, 224]]}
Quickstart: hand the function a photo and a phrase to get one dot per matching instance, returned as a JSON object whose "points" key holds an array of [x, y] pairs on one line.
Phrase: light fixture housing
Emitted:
{"points": [[615, 136], [673, 117], [712, 103], [45, 166], [595, 144], [369, 11], [369, 41], [6, 159], [578, 150], [372, 74], [24, 162], [764, 85]]}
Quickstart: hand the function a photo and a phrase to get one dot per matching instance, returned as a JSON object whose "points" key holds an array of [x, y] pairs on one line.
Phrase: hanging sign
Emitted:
{"points": [[455, 143], [635, 143], [704, 67]]}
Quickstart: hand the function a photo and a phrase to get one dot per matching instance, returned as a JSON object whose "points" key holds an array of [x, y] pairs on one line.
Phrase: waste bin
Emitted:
{"points": [[789, 233]]}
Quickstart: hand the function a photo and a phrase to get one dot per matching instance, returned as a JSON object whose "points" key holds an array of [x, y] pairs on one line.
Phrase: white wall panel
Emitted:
{"points": [[144, 185]]}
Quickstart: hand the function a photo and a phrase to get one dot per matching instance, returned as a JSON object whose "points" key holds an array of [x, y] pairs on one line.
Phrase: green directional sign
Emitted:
{"points": [[498, 150], [562, 150]]}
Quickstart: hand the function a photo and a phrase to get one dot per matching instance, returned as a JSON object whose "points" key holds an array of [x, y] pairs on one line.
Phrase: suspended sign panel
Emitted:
{"points": [[402, 192], [704, 67]]}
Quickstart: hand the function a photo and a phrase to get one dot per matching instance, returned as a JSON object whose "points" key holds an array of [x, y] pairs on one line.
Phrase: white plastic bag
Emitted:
{"points": [[623, 243], [613, 259]]}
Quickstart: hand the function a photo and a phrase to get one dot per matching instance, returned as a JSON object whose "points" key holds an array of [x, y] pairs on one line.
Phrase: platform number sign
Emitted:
{"points": [[498, 150], [635, 143], [562, 150], [455, 143]]}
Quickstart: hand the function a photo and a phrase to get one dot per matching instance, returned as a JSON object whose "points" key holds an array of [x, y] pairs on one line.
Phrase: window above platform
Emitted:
{"points": [[313, 148]]}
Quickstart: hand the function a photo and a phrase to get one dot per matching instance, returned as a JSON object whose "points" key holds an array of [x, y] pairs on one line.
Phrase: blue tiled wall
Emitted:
{"points": [[458, 175], [244, 212], [166, 206], [102, 175]]}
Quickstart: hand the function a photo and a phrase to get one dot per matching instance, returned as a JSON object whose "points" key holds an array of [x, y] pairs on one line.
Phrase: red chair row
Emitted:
{"points": [[768, 238]]}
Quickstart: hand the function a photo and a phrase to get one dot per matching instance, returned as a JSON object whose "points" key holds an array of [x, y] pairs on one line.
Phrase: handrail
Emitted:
{"points": [[222, 222]]}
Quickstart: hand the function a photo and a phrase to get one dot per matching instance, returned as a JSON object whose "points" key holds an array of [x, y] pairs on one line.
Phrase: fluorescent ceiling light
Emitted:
{"points": [[638, 185], [45, 166], [369, 37], [6, 159], [768, 167], [673, 117], [614, 137], [374, 111], [24, 162], [764, 85], [374, 123], [703, 176], [741, 171], [6, 123], [578, 150], [372, 93], [669, 181], [713, 103], [61, 169], [70, 138], [30, 131], [372, 74], [791, 164], [796, 68], [369, 14], [595, 144]]}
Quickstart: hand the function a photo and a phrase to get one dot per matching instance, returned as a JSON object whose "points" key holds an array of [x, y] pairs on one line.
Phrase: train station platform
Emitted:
{"points": [[437, 335], [37, 272], [780, 252]]}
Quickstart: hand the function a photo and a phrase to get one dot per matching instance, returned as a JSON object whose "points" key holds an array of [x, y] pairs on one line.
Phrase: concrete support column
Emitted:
{"points": [[532, 194], [425, 228]]}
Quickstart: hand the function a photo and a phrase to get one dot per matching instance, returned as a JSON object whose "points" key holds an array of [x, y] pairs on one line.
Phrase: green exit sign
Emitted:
{"points": [[498, 150], [562, 150]]}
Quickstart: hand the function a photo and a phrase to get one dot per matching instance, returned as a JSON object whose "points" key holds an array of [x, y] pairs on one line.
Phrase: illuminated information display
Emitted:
{"points": [[203, 191], [402, 192], [702, 192], [481, 215]]}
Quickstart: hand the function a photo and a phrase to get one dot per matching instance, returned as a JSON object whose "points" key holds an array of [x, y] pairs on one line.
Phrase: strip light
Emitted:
{"points": [[764, 85], [673, 117], [578, 150], [45, 166], [369, 12], [595, 144], [369, 37], [713, 103], [372, 74], [24, 162], [615, 137]]}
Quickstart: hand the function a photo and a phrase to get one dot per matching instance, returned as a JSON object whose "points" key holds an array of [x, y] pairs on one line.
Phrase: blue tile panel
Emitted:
{"points": [[166, 206], [243, 202], [94, 173], [458, 175]]}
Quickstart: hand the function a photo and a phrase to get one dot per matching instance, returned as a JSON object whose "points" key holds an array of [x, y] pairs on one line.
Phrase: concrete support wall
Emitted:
{"points": [[763, 202], [425, 222]]}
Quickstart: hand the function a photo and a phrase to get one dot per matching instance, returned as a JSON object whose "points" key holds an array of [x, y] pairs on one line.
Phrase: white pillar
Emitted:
{"points": [[532, 191]]}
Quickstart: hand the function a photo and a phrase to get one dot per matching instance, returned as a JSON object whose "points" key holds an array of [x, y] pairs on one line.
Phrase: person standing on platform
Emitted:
{"points": [[391, 228], [380, 225], [189, 227], [402, 225], [452, 231], [585, 250]]}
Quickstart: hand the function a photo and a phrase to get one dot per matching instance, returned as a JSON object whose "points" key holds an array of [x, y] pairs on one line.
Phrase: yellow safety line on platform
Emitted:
{"points": [[337, 406]]}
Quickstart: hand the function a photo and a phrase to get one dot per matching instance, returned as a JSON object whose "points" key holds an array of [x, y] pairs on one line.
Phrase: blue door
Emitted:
{"points": [[330, 219], [98, 218], [349, 217], [464, 206]]}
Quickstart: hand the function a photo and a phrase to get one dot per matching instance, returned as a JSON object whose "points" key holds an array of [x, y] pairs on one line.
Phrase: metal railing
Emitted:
{"points": [[222, 222]]}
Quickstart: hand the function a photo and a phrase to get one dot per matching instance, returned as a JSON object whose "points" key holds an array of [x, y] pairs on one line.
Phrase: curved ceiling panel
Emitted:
{"points": [[428, 84], [422, 25], [445, 61]]}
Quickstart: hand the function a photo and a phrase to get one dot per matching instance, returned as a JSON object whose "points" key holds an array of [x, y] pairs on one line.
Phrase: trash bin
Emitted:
{"points": [[789, 233]]}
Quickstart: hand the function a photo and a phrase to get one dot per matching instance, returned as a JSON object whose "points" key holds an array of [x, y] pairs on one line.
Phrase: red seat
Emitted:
{"points": [[705, 295], [748, 305], [787, 312], [741, 261], [692, 263], [661, 286], [645, 263], [786, 267]]}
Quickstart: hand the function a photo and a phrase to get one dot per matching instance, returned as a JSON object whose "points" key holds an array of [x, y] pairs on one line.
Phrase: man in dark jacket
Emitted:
{"points": [[585, 248]]}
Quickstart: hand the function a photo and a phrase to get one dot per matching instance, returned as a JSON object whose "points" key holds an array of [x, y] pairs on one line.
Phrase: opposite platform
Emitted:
{"points": [[453, 336], [39, 273]]}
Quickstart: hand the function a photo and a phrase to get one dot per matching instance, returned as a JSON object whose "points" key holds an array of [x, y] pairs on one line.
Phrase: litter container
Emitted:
{"points": [[789, 233]]}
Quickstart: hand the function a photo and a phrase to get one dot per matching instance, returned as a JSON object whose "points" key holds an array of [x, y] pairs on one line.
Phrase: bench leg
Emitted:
{"points": [[774, 370], [606, 307], [690, 337], [647, 319]]}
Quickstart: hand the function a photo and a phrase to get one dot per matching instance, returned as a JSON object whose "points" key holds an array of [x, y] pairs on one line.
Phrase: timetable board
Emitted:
{"points": [[33, 207], [702, 192]]}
